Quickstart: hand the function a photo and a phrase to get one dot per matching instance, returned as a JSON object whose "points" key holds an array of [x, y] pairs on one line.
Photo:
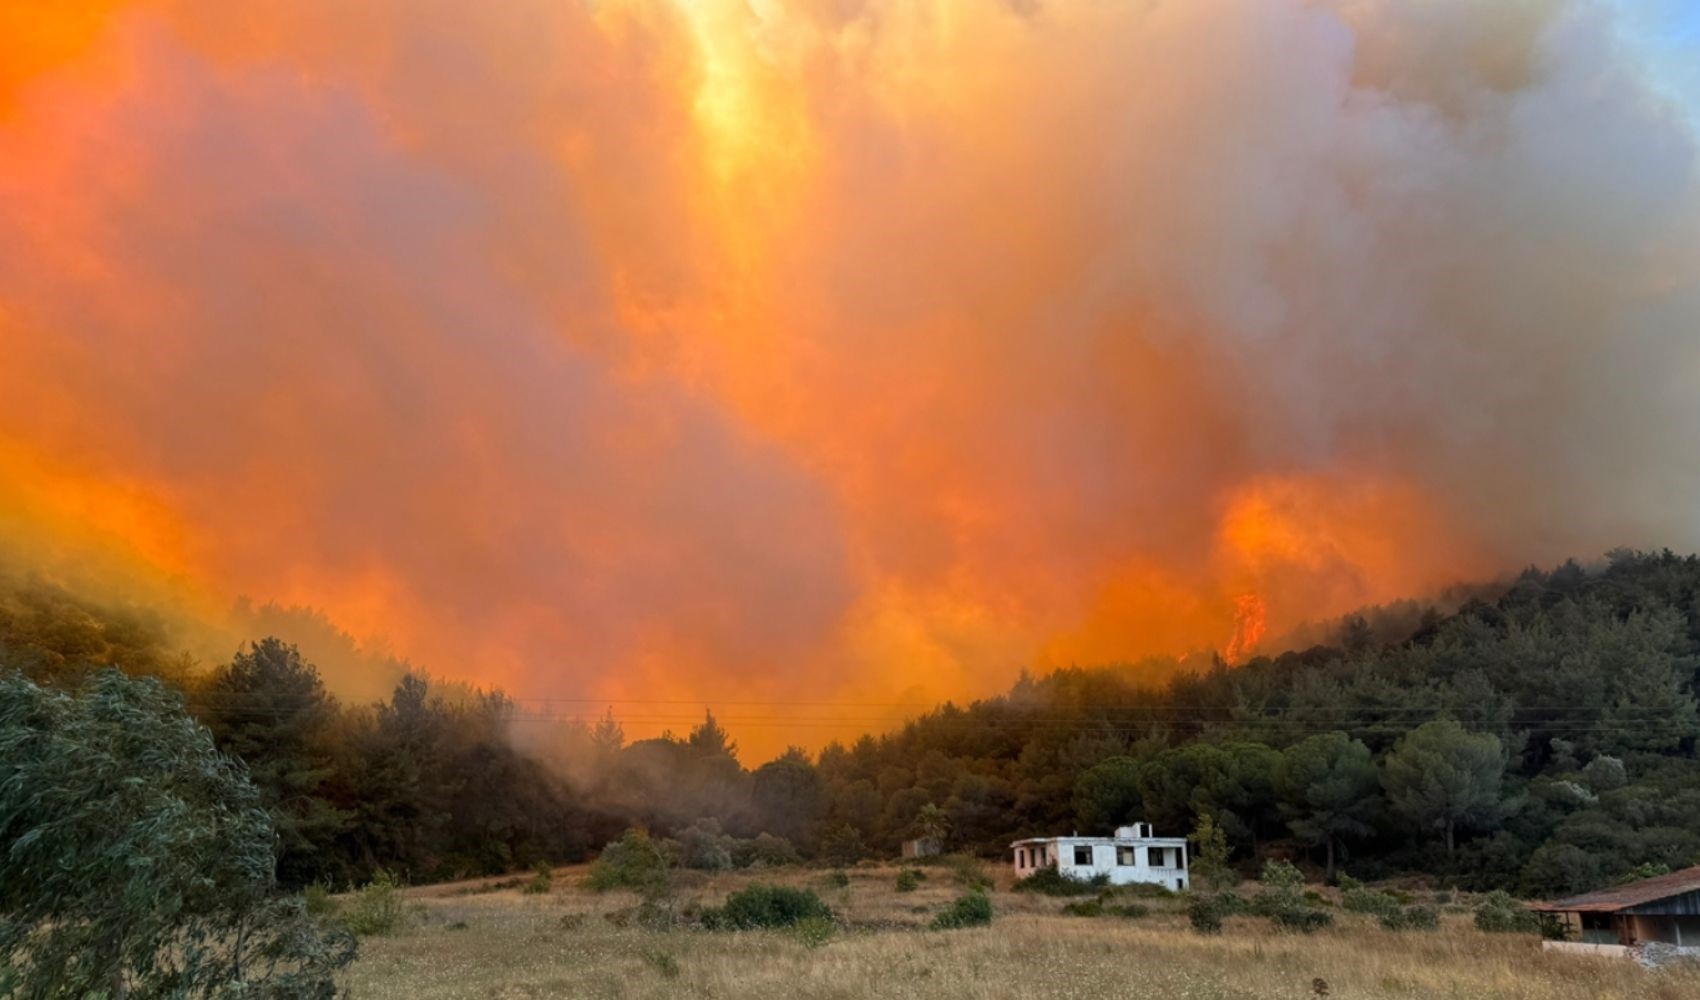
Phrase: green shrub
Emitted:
{"points": [[971, 910], [908, 880], [1210, 868], [969, 871], [1360, 900], [319, 901], [814, 931], [843, 846], [1281, 876], [1054, 883], [1205, 913], [1150, 890], [761, 906], [765, 851], [1100, 907], [1411, 918], [1303, 920], [378, 908], [1284, 901], [542, 881], [662, 962], [658, 912], [704, 846], [635, 861], [1646, 869], [1498, 913], [838, 880]]}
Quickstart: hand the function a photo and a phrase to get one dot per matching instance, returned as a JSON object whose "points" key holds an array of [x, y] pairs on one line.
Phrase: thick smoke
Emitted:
{"points": [[840, 351]]}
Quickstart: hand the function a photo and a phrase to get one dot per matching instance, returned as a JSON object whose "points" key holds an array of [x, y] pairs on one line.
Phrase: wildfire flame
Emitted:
{"points": [[1249, 626]]}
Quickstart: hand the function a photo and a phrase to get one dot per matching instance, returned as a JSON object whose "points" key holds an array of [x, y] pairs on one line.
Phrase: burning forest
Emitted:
{"points": [[439, 439], [856, 352]]}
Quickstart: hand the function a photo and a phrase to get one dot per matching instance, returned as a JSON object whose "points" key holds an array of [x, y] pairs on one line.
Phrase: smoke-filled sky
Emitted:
{"points": [[844, 351]]}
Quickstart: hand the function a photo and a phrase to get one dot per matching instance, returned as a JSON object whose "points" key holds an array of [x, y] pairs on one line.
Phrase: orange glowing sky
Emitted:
{"points": [[844, 351]]}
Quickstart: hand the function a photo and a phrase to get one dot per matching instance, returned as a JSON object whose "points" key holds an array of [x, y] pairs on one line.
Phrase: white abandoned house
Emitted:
{"points": [[1132, 855], [1654, 912]]}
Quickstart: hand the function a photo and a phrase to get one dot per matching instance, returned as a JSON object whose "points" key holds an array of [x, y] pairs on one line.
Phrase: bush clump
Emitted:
{"points": [[969, 871], [908, 880], [542, 880], [760, 906], [1498, 913], [662, 962], [319, 901], [1284, 901], [1100, 907], [1357, 899], [1054, 883], [704, 846], [1206, 912], [635, 861], [1302, 920], [843, 846], [971, 910], [765, 851], [659, 912], [378, 907], [814, 931], [1411, 918], [838, 879]]}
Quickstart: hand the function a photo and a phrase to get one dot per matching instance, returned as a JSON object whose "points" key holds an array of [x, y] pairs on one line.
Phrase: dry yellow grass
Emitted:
{"points": [[471, 942]]}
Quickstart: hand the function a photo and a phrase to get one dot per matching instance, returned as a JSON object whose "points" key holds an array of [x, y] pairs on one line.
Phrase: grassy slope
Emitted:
{"points": [[564, 944]]}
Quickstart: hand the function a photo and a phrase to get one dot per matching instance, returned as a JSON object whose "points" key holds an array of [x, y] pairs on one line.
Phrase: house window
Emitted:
{"points": [[1124, 857], [1020, 857], [1083, 855], [1156, 856]]}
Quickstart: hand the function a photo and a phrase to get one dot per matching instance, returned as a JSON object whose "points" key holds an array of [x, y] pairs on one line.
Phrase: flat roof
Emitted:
{"points": [[1623, 897], [1102, 840]]}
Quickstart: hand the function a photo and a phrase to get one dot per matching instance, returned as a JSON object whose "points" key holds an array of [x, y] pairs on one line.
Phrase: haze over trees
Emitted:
{"points": [[1541, 739]]}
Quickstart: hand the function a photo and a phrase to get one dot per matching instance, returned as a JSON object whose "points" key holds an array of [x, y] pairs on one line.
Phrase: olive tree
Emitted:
{"points": [[136, 860]]}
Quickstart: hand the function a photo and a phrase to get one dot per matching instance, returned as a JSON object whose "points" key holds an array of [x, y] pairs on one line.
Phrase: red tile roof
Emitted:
{"points": [[1623, 897]]}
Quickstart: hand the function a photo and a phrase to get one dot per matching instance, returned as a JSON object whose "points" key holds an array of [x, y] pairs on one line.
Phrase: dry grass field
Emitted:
{"points": [[477, 940]]}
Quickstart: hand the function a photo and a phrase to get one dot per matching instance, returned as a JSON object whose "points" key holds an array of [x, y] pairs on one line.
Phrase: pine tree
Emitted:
{"points": [[1441, 776], [269, 708], [1327, 788]]}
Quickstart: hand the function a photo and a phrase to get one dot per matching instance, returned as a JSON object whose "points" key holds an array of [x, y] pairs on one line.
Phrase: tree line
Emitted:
{"points": [[1539, 738]]}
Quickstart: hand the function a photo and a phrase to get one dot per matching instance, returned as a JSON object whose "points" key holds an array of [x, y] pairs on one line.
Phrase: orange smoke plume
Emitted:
{"points": [[852, 353]]}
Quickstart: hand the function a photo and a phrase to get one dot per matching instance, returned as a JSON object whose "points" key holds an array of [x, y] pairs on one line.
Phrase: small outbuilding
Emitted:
{"points": [[1664, 910], [922, 847], [1134, 854]]}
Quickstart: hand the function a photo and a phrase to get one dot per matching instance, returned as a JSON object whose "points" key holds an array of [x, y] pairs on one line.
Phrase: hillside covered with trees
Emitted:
{"points": [[1542, 740]]}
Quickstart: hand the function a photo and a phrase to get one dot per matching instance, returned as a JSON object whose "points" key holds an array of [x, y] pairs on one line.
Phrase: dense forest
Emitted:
{"points": [[1540, 738]]}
